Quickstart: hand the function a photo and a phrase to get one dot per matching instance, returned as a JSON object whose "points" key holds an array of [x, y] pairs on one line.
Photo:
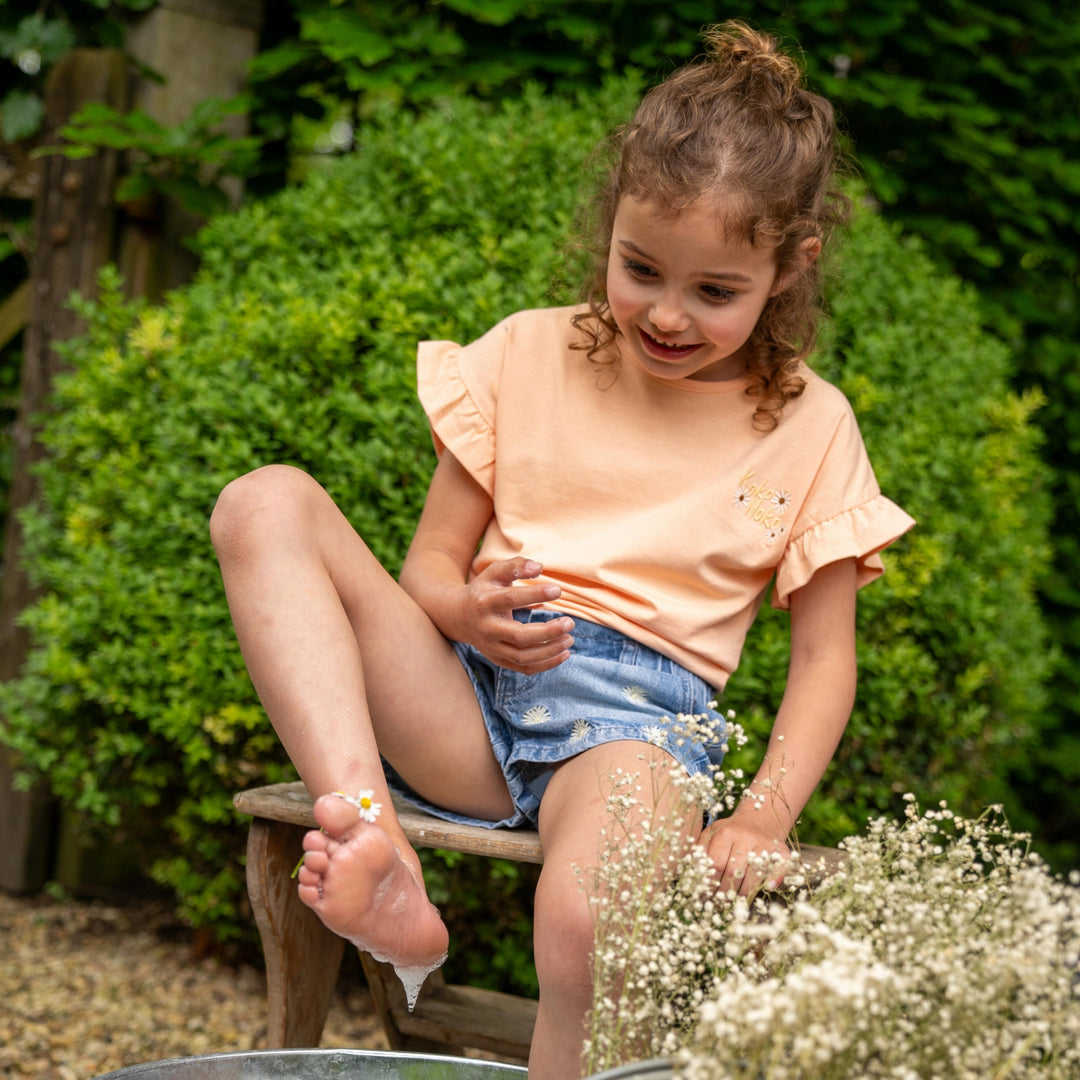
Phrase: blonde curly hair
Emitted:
{"points": [[738, 124]]}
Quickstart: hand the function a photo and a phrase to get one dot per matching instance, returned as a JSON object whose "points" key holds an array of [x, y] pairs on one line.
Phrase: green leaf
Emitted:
{"points": [[343, 35], [21, 114], [495, 12], [135, 186], [275, 62], [49, 37], [199, 198]]}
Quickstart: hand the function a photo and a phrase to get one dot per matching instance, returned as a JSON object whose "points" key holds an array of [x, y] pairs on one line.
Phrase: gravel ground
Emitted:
{"points": [[89, 987]]}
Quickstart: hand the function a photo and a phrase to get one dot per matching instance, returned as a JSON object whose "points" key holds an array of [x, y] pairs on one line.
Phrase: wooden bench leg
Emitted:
{"points": [[302, 956]]}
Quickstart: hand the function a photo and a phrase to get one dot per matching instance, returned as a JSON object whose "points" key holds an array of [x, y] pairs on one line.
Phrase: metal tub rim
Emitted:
{"points": [[251, 1064]]}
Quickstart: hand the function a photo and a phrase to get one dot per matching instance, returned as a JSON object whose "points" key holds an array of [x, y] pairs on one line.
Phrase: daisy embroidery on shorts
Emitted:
{"points": [[635, 694], [536, 714], [579, 730], [655, 735], [742, 496], [772, 535]]}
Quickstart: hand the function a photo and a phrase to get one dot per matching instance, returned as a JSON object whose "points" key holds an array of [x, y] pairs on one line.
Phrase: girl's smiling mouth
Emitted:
{"points": [[663, 351]]}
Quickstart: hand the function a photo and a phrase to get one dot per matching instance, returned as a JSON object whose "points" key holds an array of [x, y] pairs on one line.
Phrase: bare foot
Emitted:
{"points": [[354, 879]]}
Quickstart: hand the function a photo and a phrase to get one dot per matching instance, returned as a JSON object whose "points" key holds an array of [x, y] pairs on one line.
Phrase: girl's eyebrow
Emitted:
{"points": [[722, 275]]}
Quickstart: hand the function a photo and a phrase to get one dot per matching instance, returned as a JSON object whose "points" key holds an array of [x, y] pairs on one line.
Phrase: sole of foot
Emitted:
{"points": [[354, 879]]}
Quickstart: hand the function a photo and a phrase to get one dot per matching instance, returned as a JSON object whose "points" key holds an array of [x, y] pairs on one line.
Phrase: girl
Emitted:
{"points": [[616, 485]]}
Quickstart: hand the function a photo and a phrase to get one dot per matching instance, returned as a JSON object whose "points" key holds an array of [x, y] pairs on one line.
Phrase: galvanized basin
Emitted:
{"points": [[318, 1065], [656, 1069]]}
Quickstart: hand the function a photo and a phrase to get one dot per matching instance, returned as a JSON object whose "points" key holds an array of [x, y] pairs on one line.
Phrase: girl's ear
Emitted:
{"points": [[805, 256]]}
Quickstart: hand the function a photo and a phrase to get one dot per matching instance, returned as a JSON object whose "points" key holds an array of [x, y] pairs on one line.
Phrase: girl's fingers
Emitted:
{"points": [[742, 858], [501, 588], [526, 647], [539, 657], [502, 600], [507, 571], [534, 635]]}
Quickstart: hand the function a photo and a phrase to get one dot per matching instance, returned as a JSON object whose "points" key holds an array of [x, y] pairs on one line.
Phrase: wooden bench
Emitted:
{"points": [[303, 957]]}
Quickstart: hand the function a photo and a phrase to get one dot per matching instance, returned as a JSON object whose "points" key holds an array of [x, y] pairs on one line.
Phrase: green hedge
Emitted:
{"points": [[296, 343]]}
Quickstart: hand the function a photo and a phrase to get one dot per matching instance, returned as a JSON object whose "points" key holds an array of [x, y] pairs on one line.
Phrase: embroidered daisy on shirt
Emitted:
{"points": [[781, 500], [763, 503]]}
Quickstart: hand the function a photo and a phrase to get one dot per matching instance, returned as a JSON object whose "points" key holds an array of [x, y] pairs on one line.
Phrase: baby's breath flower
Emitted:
{"points": [[942, 947]]}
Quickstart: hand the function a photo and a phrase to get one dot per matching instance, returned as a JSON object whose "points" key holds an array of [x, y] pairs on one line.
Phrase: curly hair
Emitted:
{"points": [[738, 125]]}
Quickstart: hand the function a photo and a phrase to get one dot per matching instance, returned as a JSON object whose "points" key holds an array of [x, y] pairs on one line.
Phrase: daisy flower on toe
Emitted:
{"points": [[364, 802]]}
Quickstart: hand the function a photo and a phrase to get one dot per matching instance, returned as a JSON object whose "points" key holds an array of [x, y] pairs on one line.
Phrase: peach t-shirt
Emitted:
{"points": [[657, 507]]}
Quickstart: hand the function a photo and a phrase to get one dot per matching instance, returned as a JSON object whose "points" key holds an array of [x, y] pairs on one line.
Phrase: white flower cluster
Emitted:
{"points": [[941, 950], [659, 929]]}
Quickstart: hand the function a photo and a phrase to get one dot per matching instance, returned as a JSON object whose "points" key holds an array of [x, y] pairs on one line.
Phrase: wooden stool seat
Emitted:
{"points": [[303, 957]]}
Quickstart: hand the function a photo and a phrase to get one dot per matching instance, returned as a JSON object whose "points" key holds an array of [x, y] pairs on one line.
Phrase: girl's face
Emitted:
{"points": [[684, 298]]}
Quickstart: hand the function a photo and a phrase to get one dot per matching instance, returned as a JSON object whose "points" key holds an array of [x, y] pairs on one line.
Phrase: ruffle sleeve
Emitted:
{"points": [[458, 387], [860, 533]]}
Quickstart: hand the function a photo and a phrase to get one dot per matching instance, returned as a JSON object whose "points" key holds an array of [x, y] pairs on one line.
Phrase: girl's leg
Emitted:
{"points": [[573, 816], [346, 666]]}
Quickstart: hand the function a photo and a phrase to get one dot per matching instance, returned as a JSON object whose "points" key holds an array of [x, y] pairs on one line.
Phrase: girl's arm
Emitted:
{"points": [[814, 711], [436, 575]]}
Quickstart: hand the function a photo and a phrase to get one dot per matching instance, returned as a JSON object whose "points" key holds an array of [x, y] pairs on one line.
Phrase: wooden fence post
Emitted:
{"points": [[220, 38], [74, 220], [201, 48]]}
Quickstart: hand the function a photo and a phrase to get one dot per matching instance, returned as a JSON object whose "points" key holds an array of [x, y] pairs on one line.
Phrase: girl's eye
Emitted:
{"points": [[718, 293], [639, 270]]}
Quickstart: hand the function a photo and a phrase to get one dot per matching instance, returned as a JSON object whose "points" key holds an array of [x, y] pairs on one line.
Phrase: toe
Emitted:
{"points": [[315, 864], [334, 815], [316, 841], [309, 894]]}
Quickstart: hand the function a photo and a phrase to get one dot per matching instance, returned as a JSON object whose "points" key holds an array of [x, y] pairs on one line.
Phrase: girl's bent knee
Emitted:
{"points": [[563, 937], [268, 493]]}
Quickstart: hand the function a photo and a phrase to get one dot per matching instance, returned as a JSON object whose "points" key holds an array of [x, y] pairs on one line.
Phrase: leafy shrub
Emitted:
{"points": [[296, 343]]}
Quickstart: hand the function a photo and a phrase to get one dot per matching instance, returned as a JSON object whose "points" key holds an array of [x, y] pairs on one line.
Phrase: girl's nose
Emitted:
{"points": [[668, 315]]}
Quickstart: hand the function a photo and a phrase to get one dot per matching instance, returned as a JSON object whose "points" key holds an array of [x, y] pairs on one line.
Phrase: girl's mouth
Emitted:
{"points": [[665, 352]]}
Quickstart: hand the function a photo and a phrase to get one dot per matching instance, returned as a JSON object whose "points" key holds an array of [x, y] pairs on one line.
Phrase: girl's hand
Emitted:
{"points": [[730, 844], [484, 618]]}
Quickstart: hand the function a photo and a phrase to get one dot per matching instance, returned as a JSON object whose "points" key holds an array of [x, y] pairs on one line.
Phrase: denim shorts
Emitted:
{"points": [[610, 689]]}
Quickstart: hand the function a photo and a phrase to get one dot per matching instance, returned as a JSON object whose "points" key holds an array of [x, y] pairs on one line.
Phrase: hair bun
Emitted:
{"points": [[751, 62]]}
